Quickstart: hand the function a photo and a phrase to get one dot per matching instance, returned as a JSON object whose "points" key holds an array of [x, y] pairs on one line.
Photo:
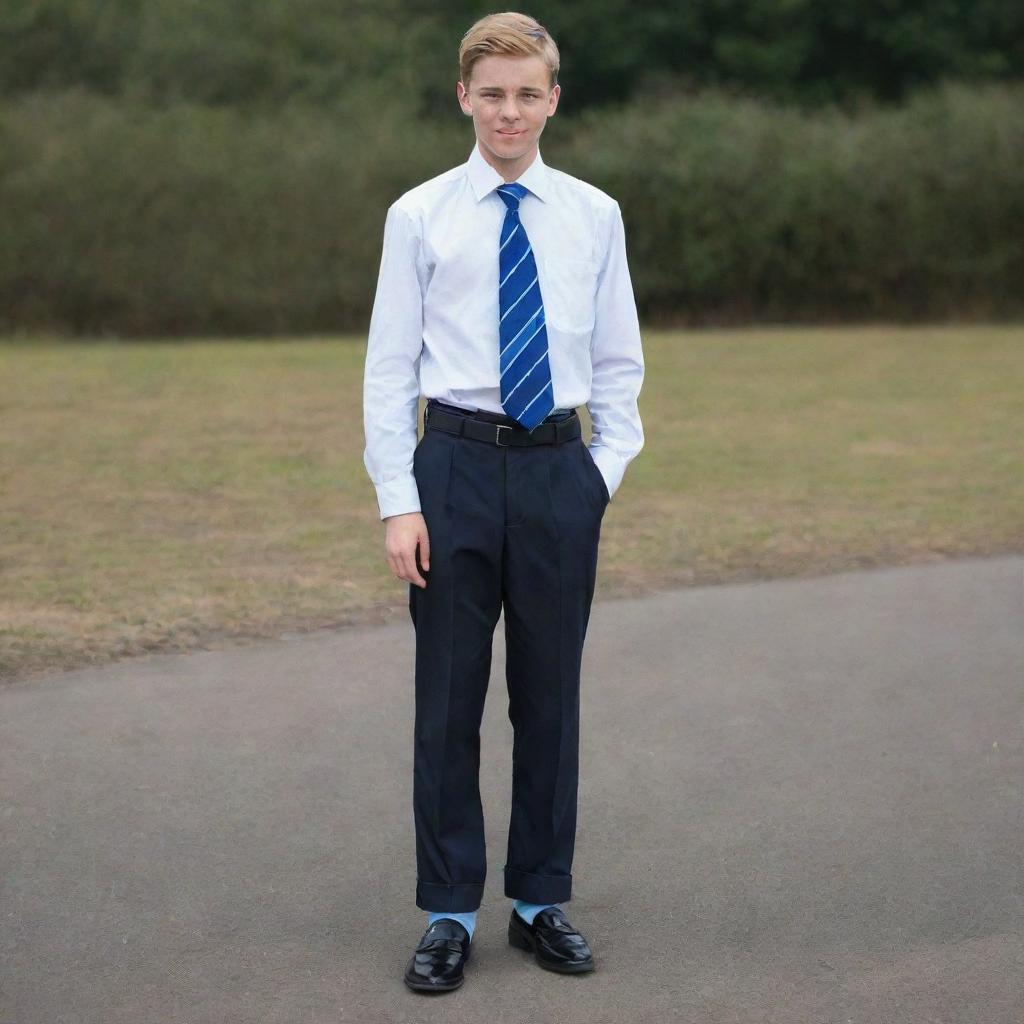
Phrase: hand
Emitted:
{"points": [[406, 533]]}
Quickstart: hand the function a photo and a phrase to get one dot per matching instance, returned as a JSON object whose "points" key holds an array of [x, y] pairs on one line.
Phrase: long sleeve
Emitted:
{"points": [[391, 375], [618, 364]]}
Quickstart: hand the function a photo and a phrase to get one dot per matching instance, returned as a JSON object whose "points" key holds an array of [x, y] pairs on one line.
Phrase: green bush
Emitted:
{"points": [[124, 219], [119, 218], [737, 211]]}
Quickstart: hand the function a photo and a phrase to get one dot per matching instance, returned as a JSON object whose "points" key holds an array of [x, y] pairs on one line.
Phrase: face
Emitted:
{"points": [[509, 99]]}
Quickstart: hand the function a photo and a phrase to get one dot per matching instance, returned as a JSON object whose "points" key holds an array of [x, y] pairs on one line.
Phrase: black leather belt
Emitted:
{"points": [[500, 430]]}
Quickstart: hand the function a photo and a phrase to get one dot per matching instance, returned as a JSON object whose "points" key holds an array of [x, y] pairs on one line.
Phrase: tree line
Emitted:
{"points": [[328, 52]]}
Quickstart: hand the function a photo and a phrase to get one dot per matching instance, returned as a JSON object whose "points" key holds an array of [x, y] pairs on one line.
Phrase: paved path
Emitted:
{"points": [[800, 801]]}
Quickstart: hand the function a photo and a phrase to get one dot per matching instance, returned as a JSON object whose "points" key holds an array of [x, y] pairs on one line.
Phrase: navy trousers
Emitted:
{"points": [[513, 528]]}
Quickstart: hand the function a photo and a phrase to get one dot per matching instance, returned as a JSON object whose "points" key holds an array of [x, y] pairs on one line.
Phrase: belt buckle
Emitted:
{"points": [[497, 434]]}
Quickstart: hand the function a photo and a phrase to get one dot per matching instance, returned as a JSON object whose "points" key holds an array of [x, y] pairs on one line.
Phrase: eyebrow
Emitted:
{"points": [[496, 88]]}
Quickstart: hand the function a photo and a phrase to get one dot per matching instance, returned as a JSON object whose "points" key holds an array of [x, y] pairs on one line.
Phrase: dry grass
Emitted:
{"points": [[167, 496]]}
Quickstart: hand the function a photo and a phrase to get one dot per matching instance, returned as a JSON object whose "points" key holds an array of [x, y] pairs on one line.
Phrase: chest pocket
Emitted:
{"points": [[569, 287]]}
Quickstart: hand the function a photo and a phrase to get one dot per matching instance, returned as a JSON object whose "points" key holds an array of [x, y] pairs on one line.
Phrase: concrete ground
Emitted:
{"points": [[799, 801]]}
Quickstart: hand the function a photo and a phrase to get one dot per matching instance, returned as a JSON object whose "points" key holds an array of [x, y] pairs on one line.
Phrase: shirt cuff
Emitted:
{"points": [[397, 496], [612, 467]]}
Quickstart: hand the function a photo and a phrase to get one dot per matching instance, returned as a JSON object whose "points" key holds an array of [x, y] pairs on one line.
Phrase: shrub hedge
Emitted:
{"points": [[124, 219]]}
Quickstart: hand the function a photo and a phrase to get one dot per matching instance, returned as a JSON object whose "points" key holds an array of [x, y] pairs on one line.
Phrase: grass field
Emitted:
{"points": [[160, 496]]}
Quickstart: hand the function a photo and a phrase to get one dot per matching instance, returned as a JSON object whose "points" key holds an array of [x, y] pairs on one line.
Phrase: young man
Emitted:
{"points": [[504, 298]]}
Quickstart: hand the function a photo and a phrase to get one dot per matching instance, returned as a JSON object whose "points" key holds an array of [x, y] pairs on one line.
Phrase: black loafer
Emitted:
{"points": [[437, 964], [555, 944]]}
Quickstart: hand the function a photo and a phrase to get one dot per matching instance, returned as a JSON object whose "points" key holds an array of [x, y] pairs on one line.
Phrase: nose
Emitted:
{"points": [[509, 112]]}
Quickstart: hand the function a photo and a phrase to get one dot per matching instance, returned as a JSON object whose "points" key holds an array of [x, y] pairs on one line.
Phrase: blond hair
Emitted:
{"points": [[510, 34]]}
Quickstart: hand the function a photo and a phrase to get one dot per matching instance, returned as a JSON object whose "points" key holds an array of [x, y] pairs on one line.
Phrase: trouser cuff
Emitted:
{"points": [[521, 885], [461, 898]]}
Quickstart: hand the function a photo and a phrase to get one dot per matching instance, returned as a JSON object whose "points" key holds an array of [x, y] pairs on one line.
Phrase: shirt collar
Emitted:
{"points": [[485, 179]]}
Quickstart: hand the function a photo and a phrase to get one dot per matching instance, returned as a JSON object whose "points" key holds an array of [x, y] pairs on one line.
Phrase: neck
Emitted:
{"points": [[510, 170]]}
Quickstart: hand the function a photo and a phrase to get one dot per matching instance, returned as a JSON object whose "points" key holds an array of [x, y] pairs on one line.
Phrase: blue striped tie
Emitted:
{"points": [[526, 392]]}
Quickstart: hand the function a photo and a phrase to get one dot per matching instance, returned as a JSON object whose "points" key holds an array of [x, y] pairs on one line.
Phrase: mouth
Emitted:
{"points": [[500, 132]]}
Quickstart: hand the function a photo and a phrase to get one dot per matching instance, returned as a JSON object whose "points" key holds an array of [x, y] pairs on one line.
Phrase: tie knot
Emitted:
{"points": [[511, 192]]}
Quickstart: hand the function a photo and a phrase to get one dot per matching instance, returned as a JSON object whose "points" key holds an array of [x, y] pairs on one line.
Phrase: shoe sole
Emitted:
{"points": [[416, 987], [525, 942]]}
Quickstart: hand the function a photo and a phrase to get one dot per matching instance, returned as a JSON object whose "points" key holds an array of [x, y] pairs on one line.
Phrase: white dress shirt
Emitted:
{"points": [[434, 327]]}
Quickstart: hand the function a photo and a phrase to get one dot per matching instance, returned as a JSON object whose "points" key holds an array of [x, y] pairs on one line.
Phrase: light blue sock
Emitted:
{"points": [[468, 921], [528, 911]]}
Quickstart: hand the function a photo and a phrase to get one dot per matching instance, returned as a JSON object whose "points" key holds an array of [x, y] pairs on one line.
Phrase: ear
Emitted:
{"points": [[463, 95], [553, 99]]}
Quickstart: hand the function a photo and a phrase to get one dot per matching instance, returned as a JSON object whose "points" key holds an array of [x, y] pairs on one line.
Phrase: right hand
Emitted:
{"points": [[406, 533]]}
